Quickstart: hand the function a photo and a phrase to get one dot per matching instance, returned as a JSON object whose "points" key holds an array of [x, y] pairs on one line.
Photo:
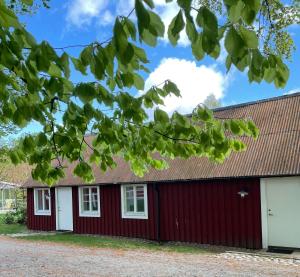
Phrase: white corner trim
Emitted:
{"points": [[56, 209], [264, 213], [134, 215], [36, 211], [89, 214]]}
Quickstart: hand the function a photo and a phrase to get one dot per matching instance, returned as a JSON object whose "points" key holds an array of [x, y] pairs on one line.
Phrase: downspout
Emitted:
{"points": [[157, 211]]}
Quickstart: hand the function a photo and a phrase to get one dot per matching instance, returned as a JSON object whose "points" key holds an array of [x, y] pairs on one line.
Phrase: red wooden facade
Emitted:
{"points": [[207, 212], [40, 222], [111, 222]]}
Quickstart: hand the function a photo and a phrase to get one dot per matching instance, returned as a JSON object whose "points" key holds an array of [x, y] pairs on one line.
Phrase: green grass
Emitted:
{"points": [[116, 243], [6, 229]]}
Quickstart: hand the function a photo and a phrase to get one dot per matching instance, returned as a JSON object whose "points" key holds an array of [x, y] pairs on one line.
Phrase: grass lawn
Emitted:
{"points": [[116, 243], [10, 228]]}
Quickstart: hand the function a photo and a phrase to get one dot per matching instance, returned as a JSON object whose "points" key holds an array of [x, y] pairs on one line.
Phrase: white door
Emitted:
{"points": [[283, 211], [64, 209]]}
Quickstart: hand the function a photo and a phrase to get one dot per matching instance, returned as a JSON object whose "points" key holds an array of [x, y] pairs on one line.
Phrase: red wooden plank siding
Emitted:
{"points": [[40, 222], [212, 212], [208, 212], [111, 221]]}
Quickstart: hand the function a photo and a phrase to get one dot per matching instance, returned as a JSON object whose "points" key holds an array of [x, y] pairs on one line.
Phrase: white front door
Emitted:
{"points": [[64, 209], [283, 211]]}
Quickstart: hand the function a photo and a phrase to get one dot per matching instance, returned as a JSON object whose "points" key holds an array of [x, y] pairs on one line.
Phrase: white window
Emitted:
{"points": [[42, 201], [134, 201], [89, 202]]}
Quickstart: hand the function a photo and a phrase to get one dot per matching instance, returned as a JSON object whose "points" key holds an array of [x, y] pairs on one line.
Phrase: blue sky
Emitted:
{"points": [[83, 21]]}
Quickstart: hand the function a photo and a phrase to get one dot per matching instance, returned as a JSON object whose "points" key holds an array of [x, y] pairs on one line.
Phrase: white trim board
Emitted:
{"points": [[264, 213]]}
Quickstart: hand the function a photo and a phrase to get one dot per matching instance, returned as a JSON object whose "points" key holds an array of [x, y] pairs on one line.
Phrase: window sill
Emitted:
{"points": [[89, 214], [43, 213], [134, 216]]}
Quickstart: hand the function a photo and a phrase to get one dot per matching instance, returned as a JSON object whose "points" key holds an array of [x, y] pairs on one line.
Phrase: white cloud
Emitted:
{"points": [[124, 7], [292, 91], [107, 18], [81, 12], [195, 83]]}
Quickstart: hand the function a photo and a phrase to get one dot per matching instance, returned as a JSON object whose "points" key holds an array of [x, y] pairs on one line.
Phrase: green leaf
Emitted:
{"points": [[78, 65], [141, 54], [171, 87], [28, 2], [86, 92], [54, 70], [185, 4], [149, 3], [176, 26], [123, 49], [156, 27], [208, 21], [235, 11], [234, 44], [64, 59], [41, 140], [249, 37], [28, 144], [161, 116], [86, 55], [204, 114], [84, 171], [191, 29], [138, 82], [250, 10], [253, 129], [130, 28], [149, 38], [7, 17], [143, 17], [235, 127], [197, 48]]}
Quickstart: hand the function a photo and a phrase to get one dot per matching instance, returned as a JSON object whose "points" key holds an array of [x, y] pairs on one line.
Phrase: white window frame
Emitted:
{"points": [[36, 210], [135, 214], [80, 198]]}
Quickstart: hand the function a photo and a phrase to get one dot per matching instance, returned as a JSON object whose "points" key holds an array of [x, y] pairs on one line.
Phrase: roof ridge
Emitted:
{"points": [[275, 98]]}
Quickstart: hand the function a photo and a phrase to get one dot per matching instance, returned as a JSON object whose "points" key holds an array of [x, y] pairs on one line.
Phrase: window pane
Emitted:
{"points": [[40, 200], [129, 192], [6, 194], [140, 205], [140, 192], [129, 205], [47, 200], [94, 199], [86, 206], [86, 194], [140, 199], [129, 195]]}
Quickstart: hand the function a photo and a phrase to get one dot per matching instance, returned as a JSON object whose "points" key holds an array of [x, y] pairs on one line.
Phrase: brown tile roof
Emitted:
{"points": [[275, 153]]}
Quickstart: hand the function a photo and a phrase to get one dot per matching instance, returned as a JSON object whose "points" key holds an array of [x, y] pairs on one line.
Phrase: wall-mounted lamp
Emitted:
{"points": [[243, 193]]}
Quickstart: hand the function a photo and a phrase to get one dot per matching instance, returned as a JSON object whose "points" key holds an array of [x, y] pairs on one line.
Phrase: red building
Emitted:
{"points": [[251, 200]]}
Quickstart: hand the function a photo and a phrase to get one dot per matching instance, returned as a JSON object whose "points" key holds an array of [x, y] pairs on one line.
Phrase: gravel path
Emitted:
{"points": [[26, 258]]}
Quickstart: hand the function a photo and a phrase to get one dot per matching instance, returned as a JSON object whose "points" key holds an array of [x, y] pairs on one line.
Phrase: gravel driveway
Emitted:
{"points": [[26, 258]]}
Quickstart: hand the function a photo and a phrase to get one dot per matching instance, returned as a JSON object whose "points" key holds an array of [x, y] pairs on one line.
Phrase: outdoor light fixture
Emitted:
{"points": [[243, 193]]}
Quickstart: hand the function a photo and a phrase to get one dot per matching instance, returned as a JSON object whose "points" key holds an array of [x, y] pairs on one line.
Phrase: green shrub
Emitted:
{"points": [[15, 217]]}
